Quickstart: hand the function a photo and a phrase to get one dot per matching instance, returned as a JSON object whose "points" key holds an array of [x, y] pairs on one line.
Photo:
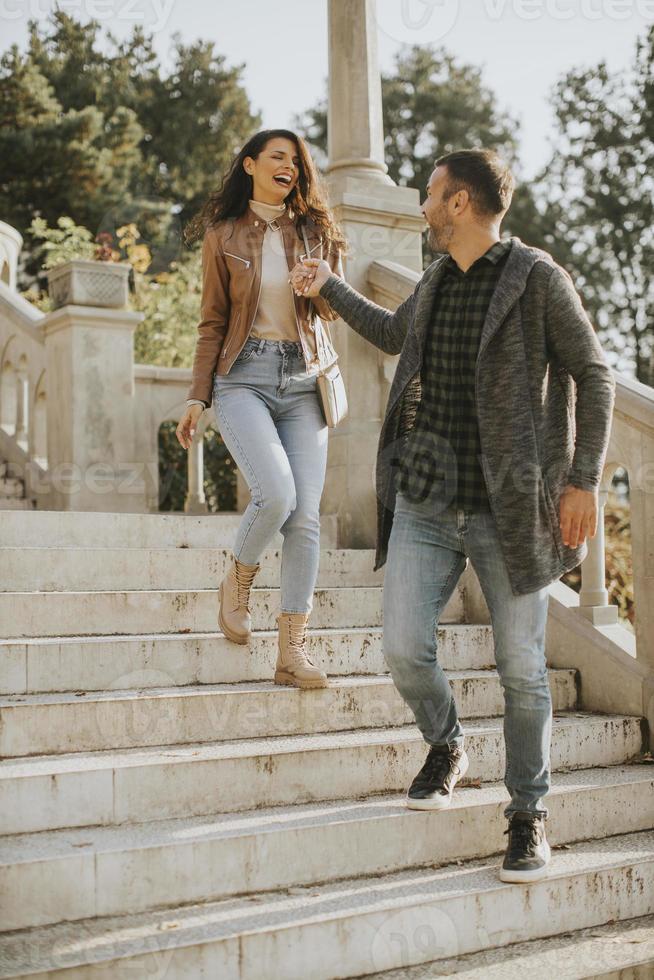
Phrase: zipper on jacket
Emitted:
{"points": [[226, 348], [224, 354], [239, 257]]}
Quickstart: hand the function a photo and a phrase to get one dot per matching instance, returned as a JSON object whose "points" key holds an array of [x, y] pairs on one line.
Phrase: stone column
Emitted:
{"points": [[11, 242], [641, 496], [380, 221], [354, 119], [91, 416], [594, 597]]}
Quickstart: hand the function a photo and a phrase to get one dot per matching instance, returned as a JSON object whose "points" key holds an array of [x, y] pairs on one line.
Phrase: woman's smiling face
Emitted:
{"points": [[275, 172]]}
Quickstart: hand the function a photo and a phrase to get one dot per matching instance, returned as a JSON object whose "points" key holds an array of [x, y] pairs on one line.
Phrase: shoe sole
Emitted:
{"points": [[439, 802], [234, 637], [519, 877], [288, 679]]}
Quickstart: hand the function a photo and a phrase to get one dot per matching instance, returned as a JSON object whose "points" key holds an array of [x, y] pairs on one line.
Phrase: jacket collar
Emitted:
{"points": [[510, 286], [250, 218]]}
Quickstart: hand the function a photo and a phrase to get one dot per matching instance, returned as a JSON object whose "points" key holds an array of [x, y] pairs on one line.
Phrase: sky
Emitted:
{"points": [[522, 46]]}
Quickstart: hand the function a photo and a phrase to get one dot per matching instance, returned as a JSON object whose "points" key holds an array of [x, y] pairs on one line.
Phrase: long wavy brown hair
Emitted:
{"points": [[308, 199]]}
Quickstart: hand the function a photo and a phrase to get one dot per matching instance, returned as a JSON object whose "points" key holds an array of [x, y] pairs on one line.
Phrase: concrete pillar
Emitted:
{"points": [[354, 119], [196, 501], [11, 242], [22, 410], [594, 597], [91, 411], [642, 544], [381, 221]]}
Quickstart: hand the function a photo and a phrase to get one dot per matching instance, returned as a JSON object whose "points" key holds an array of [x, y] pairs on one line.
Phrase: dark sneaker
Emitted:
{"points": [[527, 853], [432, 787]]}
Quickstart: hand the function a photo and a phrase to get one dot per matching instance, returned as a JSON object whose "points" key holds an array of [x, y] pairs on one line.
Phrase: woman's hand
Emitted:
{"points": [[309, 276], [187, 425]]}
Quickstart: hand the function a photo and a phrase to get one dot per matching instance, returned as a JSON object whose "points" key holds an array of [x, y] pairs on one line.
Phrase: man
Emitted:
{"points": [[483, 455]]}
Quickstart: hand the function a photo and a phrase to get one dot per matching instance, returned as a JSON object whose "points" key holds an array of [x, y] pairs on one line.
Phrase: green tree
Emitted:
{"points": [[55, 160], [92, 128], [432, 104], [599, 188]]}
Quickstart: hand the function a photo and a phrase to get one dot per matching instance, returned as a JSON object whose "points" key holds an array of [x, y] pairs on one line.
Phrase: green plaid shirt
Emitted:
{"points": [[440, 455]]}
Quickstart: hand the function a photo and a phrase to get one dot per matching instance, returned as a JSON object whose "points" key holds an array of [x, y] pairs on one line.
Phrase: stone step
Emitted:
{"points": [[135, 785], [175, 659], [127, 569], [44, 724], [617, 951], [353, 927], [79, 874], [24, 614], [77, 529]]}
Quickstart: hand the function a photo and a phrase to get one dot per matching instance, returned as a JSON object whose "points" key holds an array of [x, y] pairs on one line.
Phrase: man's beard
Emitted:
{"points": [[440, 238]]}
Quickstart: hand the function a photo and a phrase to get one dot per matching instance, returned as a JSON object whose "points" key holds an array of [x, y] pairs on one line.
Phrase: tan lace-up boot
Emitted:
{"points": [[293, 664], [233, 602]]}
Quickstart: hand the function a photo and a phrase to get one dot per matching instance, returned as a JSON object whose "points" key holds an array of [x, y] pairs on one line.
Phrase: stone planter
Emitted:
{"points": [[85, 282]]}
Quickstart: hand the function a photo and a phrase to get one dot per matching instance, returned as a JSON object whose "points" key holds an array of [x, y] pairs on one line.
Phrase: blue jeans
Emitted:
{"points": [[428, 550], [269, 417]]}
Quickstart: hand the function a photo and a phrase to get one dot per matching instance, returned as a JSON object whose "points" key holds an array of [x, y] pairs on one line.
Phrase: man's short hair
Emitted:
{"points": [[486, 178]]}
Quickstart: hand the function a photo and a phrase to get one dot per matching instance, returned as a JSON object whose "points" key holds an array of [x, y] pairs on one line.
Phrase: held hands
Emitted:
{"points": [[187, 425], [308, 276], [578, 515]]}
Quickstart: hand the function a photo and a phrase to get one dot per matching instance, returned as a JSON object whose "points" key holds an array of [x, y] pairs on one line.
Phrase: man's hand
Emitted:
{"points": [[309, 276], [578, 515]]}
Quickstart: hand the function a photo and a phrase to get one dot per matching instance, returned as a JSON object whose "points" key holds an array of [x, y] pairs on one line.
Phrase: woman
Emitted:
{"points": [[256, 361]]}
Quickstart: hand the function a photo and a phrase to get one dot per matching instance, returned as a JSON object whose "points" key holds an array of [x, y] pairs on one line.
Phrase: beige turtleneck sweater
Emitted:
{"points": [[275, 316]]}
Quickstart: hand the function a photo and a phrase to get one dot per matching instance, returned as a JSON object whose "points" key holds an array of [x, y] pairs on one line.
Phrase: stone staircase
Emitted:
{"points": [[12, 489], [167, 811]]}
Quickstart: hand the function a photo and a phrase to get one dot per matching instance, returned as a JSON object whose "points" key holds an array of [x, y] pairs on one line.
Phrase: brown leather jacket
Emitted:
{"points": [[231, 286]]}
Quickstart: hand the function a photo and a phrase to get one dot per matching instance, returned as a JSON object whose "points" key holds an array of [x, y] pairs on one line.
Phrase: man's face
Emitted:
{"points": [[436, 212]]}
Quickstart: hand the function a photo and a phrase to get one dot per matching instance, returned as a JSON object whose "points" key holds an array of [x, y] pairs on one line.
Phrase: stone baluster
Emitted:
{"points": [[594, 597], [195, 501]]}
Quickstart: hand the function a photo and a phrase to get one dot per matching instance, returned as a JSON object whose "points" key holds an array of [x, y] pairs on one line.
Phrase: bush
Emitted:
{"points": [[219, 472], [170, 302]]}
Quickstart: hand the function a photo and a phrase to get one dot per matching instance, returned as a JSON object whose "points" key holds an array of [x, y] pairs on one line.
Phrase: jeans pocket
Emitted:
{"points": [[245, 353]]}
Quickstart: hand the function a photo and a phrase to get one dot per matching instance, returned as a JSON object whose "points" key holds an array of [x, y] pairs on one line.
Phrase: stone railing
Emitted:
{"points": [[631, 446], [78, 419], [23, 398], [160, 395]]}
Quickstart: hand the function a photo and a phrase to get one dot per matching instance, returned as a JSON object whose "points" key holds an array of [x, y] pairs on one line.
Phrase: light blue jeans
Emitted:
{"points": [[269, 417], [428, 550]]}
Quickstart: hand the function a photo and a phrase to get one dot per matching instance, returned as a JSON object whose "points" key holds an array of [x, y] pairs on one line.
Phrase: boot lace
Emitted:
{"points": [[438, 766], [297, 637], [244, 579], [523, 836]]}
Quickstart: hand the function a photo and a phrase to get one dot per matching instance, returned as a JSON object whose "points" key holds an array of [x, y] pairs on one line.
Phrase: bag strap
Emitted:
{"points": [[306, 243], [324, 345]]}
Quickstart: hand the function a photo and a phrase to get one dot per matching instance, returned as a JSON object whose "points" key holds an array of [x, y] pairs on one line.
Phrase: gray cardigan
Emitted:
{"points": [[545, 397]]}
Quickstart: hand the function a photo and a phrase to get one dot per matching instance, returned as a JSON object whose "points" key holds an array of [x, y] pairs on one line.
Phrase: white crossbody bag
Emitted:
{"points": [[329, 382]]}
